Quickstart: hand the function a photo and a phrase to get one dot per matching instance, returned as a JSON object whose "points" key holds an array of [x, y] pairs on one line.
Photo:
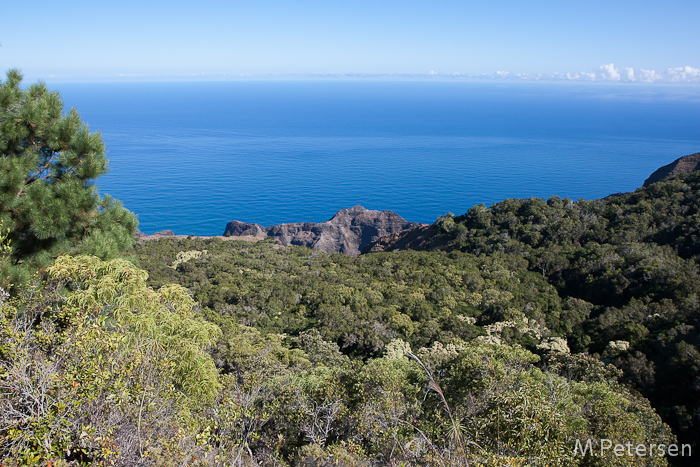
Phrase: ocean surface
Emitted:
{"points": [[193, 156]]}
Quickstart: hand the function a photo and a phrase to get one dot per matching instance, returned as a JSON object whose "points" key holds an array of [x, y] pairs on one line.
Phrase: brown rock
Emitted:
{"points": [[348, 231]]}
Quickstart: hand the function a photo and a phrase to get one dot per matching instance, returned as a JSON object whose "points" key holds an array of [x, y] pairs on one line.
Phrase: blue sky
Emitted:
{"points": [[145, 39]]}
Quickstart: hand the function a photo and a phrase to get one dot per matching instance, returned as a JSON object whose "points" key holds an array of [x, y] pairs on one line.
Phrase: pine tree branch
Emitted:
{"points": [[38, 172]]}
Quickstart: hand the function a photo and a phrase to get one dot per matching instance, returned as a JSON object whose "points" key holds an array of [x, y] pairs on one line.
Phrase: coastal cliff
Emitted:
{"points": [[349, 231], [689, 163]]}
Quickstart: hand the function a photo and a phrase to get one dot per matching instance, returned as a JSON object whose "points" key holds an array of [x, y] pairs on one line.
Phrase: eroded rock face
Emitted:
{"points": [[689, 163], [348, 231]]}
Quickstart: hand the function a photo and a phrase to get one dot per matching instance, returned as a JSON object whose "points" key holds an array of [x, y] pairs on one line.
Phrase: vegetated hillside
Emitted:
{"points": [[307, 358], [322, 340], [633, 258], [616, 278]]}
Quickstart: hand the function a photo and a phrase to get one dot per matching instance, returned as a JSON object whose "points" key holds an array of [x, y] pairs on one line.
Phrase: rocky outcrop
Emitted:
{"points": [[689, 163], [238, 229], [348, 231], [161, 234]]}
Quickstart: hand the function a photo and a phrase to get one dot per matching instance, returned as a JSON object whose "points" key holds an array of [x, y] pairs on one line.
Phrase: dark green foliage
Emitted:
{"points": [[48, 164], [359, 303], [627, 270], [616, 277], [665, 213]]}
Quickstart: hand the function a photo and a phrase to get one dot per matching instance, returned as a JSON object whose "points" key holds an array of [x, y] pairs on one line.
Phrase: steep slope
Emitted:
{"points": [[348, 231], [685, 164]]}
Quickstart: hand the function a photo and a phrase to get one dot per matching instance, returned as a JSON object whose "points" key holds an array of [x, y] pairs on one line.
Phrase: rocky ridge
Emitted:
{"points": [[349, 231]]}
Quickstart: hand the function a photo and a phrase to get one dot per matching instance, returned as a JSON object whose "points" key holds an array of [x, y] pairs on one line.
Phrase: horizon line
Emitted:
{"points": [[685, 75]]}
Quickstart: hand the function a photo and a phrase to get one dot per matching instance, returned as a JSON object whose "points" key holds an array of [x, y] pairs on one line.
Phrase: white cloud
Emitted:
{"points": [[604, 73], [627, 74], [683, 74], [609, 72], [580, 76], [649, 76]]}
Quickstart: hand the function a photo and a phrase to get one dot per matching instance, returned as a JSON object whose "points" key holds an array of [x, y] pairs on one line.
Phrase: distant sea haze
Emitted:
{"points": [[191, 157]]}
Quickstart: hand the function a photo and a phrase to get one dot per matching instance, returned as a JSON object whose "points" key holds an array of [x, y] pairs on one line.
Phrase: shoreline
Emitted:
{"points": [[140, 236]]}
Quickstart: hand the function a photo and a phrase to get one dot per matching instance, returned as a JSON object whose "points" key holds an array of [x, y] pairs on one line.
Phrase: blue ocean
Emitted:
{"points": [[192, 156]]}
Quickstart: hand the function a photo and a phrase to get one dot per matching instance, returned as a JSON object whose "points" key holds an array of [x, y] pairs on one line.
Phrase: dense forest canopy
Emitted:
{"points": [[533, 332], [615, 279]]}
